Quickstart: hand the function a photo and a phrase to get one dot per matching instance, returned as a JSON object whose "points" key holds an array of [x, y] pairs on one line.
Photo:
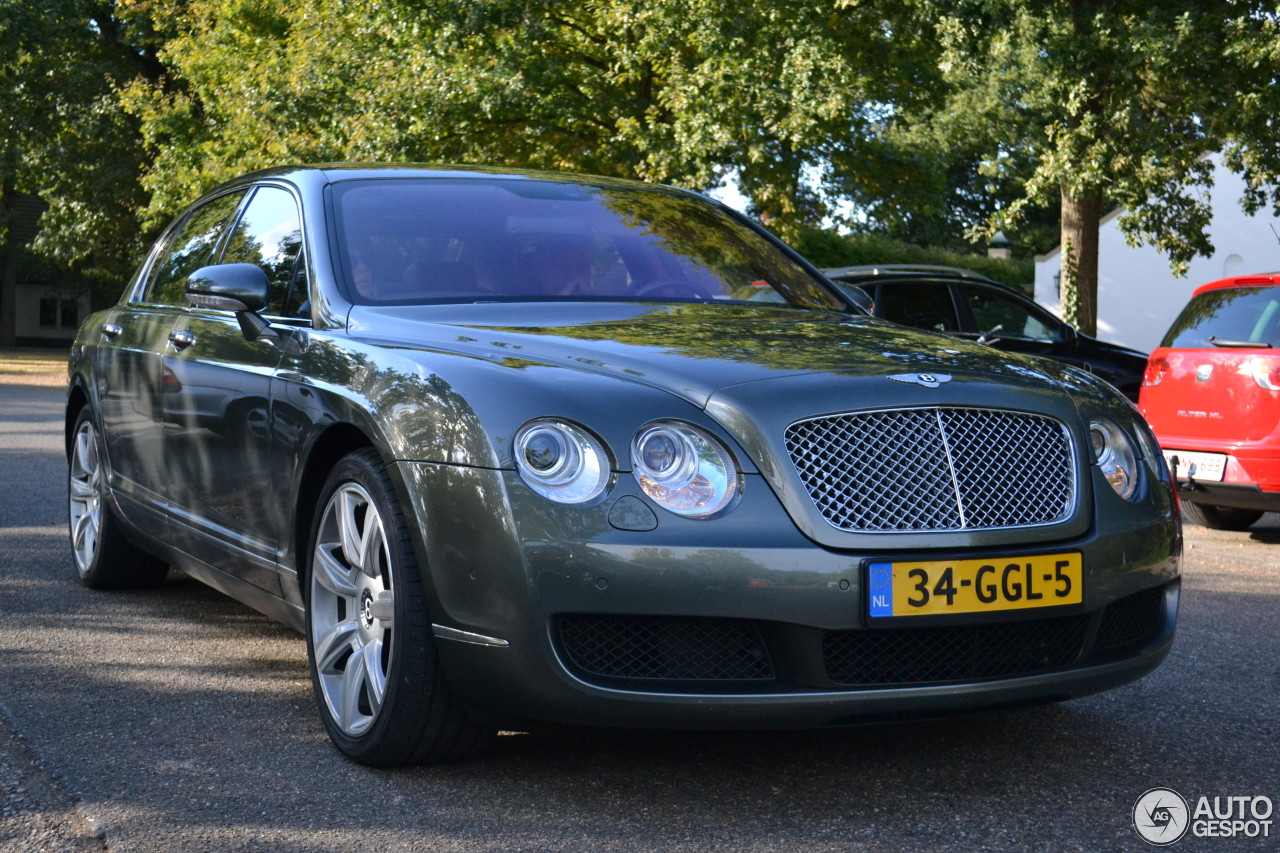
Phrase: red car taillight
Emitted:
{"points": [[1266, 372], [1156, 369]]}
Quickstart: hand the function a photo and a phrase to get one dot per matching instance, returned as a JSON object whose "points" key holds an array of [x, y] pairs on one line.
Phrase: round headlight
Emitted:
{"points": [[561, 462], [1115, 456], [683, 469]]}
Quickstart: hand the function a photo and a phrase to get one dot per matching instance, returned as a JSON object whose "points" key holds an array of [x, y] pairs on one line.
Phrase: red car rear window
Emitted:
{"points": [[1238, 315]]}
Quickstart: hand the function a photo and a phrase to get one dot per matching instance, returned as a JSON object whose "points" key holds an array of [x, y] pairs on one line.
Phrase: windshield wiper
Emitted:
{"points": [[1220, 342]]}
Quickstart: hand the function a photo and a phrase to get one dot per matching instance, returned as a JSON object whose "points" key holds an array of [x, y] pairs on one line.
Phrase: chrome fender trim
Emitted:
{"points": [[446, 633]]}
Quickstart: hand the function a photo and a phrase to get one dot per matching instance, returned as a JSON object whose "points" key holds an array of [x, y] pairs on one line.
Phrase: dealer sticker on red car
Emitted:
{"points": [[935, 587]]}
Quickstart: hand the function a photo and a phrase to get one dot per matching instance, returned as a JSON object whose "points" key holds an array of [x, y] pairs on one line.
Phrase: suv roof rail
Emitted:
{"points": [[882, 269]]}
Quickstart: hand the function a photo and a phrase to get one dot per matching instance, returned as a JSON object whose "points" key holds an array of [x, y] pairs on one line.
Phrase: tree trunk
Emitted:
{"points": [[1080, 218], [8, 263]]}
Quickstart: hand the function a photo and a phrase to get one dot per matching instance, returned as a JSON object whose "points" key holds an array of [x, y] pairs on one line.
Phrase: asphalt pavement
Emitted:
{"points": [[178, 720]]}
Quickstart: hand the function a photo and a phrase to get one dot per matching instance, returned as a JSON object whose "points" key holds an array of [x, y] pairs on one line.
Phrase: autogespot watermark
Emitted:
{"points": [[1162, 817]]}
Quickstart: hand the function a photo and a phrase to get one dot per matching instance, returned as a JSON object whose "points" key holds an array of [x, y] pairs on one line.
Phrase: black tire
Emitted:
{"points": [[103, 557], [1221, 517], [366, 608]]}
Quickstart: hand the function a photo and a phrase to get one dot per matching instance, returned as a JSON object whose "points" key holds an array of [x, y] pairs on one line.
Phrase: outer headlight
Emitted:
{"points": [[1115, 455], [683, 469], [560, 461]]}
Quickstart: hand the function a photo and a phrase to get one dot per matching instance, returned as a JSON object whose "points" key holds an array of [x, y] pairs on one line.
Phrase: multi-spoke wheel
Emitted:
{"points": [[372, 656], [84, 494], [104, 558], [352, 609]]}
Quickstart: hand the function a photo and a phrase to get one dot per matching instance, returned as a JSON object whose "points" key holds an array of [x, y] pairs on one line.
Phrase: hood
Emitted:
{"points": [[1099, 345], [752, 371], [690, 350]]}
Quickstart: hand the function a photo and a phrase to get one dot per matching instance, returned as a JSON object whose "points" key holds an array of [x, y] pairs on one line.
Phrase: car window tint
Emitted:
{"points": [[464, 239], [269, 234], [923, 304], [192, 248], [1243, 314], [297, 300], [992, 308]]}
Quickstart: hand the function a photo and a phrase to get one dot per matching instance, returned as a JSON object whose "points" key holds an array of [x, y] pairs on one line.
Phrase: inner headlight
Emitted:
{"points": [[561, 461], [683, 469], [1115, 455]]}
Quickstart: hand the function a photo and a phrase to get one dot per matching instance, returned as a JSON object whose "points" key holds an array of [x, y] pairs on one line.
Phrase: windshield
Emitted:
{"points": [[416, 241], [1239, 315]]}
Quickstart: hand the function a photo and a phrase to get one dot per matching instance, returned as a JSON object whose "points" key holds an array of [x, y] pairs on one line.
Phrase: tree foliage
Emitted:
{"points": [[66, 137], [1099, 103], [936, 119], [674, 91], [826, 249]]}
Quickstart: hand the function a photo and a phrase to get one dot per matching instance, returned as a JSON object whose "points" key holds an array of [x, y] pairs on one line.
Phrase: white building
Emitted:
{"points": [[1138, 295], [48, 315]]}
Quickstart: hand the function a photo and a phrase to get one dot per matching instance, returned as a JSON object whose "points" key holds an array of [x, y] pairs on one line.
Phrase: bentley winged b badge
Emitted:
{"points": [[928, 380]]}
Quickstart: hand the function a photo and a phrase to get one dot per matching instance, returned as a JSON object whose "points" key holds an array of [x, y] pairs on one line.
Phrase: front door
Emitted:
{"points": [[230, 498]]}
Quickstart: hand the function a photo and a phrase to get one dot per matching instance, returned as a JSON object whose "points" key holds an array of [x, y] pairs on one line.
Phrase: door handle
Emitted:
{"points": [[111, 330], [181, 339]]}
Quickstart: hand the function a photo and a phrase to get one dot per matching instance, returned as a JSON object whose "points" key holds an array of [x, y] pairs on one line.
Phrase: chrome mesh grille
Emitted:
{"points": [[935, 469]]}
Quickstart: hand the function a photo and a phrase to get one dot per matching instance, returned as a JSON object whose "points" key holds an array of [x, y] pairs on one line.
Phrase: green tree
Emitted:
{"points": [[64, 137], [1101, 103], [677, 91]]}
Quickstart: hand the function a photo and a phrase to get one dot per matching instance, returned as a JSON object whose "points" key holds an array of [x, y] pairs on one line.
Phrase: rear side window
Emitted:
{"points": [[1234, 315], [923, 304], [192, 247]]}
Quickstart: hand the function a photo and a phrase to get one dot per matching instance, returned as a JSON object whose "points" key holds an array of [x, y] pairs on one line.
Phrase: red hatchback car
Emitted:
{"points": [[1212, 393]]}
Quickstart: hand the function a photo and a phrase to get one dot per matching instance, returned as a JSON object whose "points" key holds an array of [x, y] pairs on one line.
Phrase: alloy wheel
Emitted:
{"points": [[85, 497], [352, 608]]}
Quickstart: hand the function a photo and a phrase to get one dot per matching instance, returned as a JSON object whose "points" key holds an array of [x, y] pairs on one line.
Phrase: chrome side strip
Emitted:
{"points": [[446, 633]]}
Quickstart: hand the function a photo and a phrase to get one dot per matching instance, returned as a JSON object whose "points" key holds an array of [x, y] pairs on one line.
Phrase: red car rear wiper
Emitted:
{"points": [[1219, 342]]}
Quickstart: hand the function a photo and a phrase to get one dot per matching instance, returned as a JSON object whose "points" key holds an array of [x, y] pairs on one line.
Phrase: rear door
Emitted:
{"points": [[136, 388]]}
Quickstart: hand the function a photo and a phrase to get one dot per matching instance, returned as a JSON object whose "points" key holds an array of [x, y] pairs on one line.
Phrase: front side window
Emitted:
{"points": [[269, 234], [192, 247], [1231, 315], [991, 308], [467, 240]]}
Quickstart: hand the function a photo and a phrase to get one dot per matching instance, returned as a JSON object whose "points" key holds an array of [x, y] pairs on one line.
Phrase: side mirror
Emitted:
{"points": [[855, 294], [242, 288], [229, 287], [1070, 337]]}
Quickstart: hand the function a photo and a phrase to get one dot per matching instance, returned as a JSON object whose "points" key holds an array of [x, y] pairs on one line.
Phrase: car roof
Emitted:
{"points": [[337, 172], [886, 273], [1256, 280]]}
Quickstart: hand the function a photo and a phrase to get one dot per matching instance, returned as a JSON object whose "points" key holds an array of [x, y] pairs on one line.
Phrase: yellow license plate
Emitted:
{"points": [[934, 587]]}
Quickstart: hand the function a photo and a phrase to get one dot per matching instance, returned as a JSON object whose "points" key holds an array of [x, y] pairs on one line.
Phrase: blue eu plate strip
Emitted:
{"points": [[880, 588]]}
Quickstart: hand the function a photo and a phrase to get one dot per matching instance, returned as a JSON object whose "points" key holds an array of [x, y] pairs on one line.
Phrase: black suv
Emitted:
{"points": [[969, 305]]}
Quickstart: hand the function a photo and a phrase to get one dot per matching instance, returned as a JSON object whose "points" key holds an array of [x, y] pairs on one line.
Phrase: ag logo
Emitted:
{"points": [[1161, 817]]}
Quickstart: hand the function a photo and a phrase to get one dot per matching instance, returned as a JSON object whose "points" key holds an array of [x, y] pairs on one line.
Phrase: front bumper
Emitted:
{"points": [[607, 626]]}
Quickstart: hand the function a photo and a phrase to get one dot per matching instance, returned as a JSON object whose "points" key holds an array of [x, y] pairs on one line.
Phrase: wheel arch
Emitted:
{"points": [[77, 399], [330, 446]]}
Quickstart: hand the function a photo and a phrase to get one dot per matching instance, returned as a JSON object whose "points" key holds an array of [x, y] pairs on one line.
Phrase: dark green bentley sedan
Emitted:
{"points": [[517, 446]]}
